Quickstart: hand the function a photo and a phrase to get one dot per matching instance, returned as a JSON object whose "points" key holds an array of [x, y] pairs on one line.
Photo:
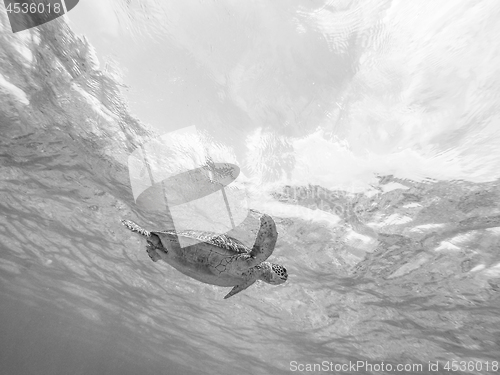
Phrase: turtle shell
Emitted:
{"points": [[192, 237], [207, 257]]}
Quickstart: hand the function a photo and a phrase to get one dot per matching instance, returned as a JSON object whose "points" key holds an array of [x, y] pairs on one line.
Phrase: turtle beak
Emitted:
{"points": [[282, 278], [285, 275]]}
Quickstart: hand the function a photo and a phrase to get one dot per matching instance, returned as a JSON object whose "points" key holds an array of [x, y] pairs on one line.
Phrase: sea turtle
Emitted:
{"points": [[217, 259]]}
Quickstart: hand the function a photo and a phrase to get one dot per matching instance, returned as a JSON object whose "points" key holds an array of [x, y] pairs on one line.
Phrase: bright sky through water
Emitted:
{"points": [[314, 92], [368, 130]]}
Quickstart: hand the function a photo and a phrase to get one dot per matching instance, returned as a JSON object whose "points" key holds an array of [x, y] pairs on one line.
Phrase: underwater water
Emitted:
{"points": [[369, 131]]}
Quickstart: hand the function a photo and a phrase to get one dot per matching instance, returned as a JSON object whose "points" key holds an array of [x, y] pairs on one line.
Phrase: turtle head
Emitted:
{"points": [[273, 273]]}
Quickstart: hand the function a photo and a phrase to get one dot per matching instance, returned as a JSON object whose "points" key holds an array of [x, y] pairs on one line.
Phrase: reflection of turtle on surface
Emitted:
{"points": [[217, 259]]}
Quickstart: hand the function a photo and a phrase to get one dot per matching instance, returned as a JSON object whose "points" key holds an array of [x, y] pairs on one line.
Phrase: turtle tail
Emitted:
{"points": [[136, 228]]}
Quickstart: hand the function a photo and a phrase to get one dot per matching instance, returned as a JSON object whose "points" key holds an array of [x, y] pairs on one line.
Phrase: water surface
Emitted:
{"points": [[368, 131]]}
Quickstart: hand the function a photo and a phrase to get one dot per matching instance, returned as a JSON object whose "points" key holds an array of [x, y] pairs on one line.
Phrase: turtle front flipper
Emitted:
{"points": [[265, 241], [239, 288]]}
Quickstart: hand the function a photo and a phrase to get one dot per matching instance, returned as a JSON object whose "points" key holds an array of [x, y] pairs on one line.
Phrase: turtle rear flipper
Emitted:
{"points": [[150, 249], [134, 227], [239, 288]]}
